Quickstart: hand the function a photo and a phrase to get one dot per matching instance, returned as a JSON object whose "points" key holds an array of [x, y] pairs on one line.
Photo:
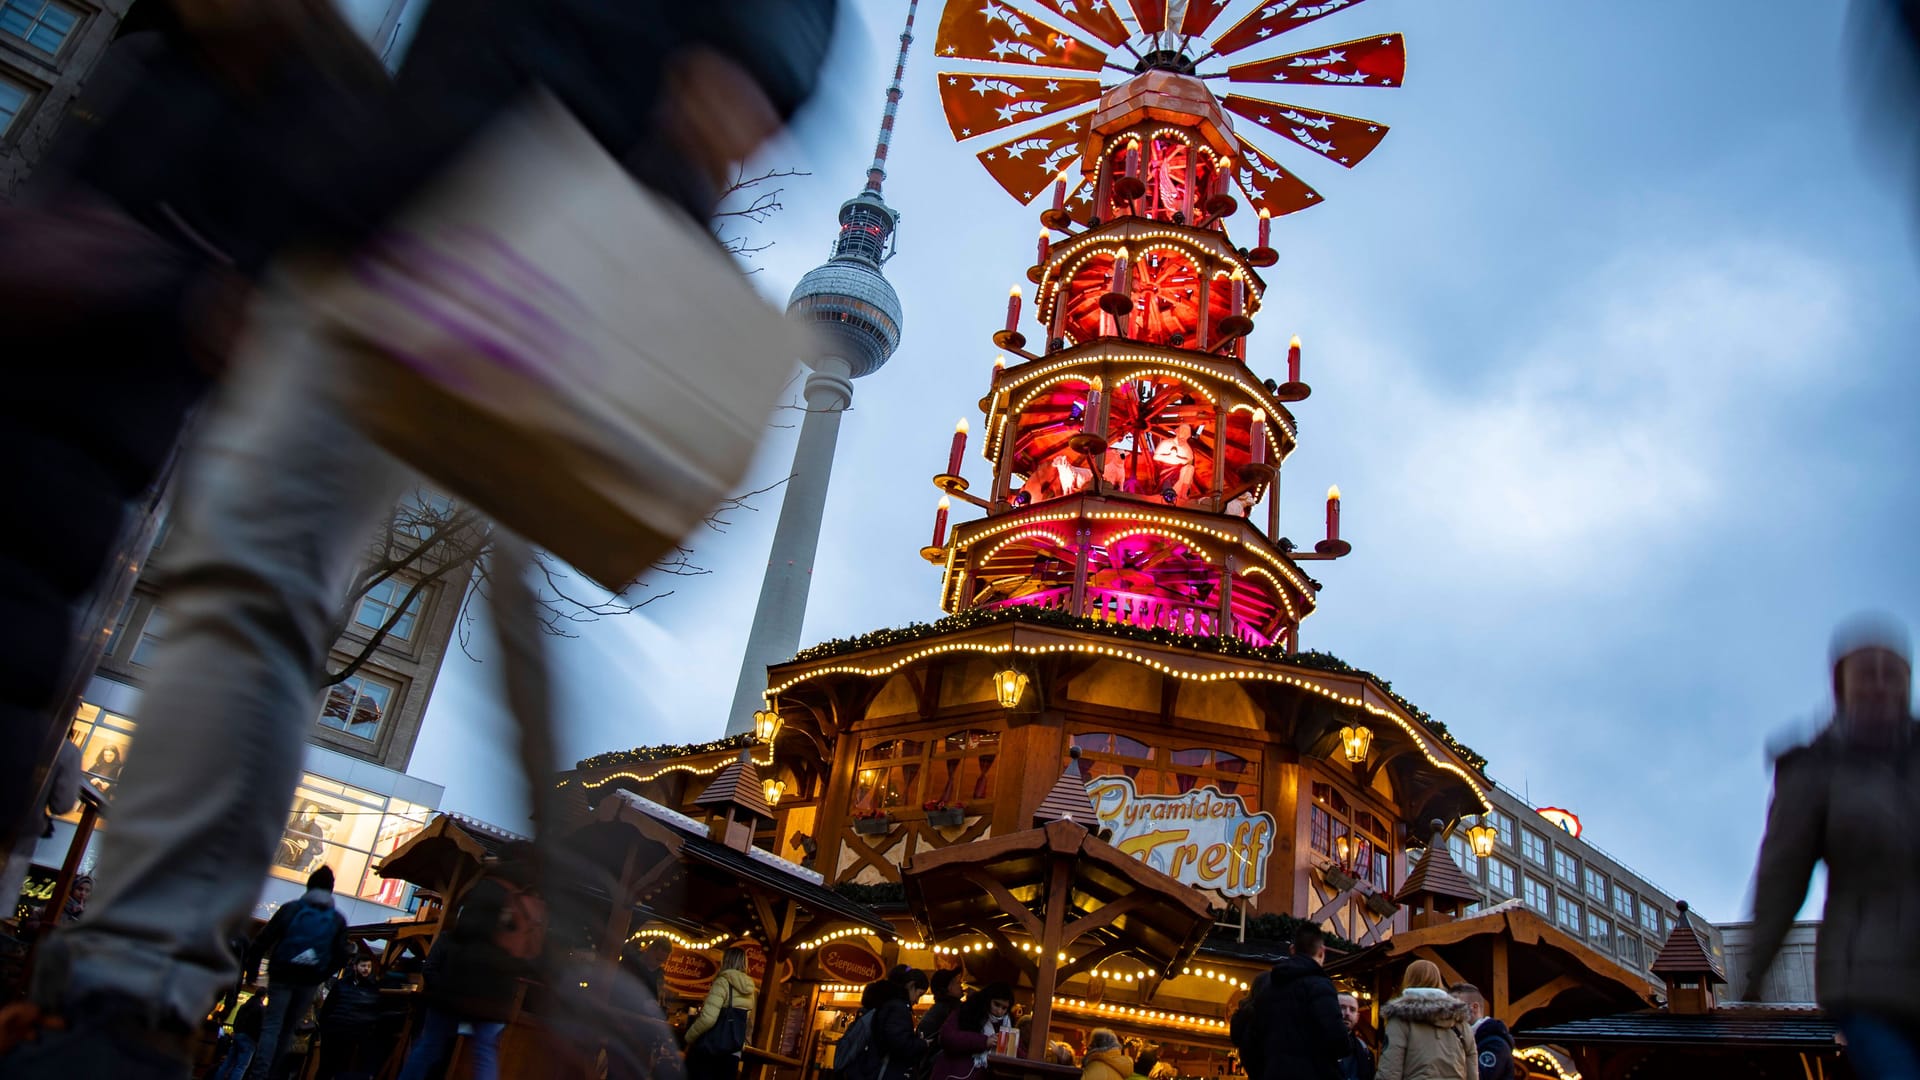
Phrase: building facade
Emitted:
{"points": [[47, 50], [1573, 884], [1791, 980]]}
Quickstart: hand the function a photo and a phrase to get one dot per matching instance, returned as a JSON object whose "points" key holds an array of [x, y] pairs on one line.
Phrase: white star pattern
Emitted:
{"points": [[951, 81], [1053, 85], [966, 132], [1073, 125], [1266, 31]]}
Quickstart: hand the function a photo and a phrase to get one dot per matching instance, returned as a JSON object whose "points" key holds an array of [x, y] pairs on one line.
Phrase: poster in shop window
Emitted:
{"points": [[1203, 838]]}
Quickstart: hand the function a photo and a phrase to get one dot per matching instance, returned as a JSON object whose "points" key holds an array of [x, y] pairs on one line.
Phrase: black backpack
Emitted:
{"points": [[853, 1055], [306, 945]]}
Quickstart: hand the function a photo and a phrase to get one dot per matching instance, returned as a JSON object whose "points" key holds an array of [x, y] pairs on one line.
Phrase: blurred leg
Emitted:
{"points": [[280, 494], [286, 1005], [1879, 1048]]}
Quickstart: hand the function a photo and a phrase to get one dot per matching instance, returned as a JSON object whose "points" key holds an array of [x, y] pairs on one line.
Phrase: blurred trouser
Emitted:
{"points": [[434, 1046], [286, 1004], [280, 494], [1881, 1048], [239, 1056]]}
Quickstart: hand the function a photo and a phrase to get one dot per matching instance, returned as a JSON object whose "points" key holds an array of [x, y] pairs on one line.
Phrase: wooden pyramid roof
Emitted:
{"points": [[1067, 800], [738, 784], [1436, 874], [1685, 954]]}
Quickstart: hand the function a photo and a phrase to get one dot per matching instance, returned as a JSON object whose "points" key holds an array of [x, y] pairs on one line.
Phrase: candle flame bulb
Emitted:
{"points": [[1096, 384], [1333, 493], [1259, 416], [961, 427], [1295, 343], [944, 503], [1000, 363], [1014, 292]]}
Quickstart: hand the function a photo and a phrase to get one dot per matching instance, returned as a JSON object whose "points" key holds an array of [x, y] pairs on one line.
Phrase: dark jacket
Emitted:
{"points": [[954, 1049], [1853, 809], [1298, 1019], [468, 973], [1243, 1029], [276, 928], [891, 1039], [246, 1022], [352, 1002], [1358, 1064], [1493, 1044], [936, 1015]]}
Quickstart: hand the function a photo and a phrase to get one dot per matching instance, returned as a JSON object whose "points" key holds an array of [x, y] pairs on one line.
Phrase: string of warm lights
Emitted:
{"points": [[600, 782], [1135, 1014], [1227, 647], [1419, 737], [682, 940], [1540, 1058], [1103, 352], [642, 754], [1216, 975], [836, 935]]}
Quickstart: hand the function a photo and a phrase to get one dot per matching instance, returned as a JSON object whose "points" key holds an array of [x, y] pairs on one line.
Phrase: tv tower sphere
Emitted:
{"points": [[846, 298]]}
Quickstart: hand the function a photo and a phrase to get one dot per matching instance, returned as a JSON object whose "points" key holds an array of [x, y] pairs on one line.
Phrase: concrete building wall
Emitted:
{"points": [[42, 72], [1790, 980]]}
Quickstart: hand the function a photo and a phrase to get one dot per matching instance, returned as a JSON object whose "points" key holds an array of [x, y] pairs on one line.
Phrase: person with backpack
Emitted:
{"points": [[887, 1049], [474, 971], [719, 1033], [304, 943]]}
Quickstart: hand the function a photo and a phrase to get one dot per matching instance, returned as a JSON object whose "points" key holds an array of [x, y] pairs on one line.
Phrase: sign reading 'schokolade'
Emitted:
{"points": [[1202, 838]]}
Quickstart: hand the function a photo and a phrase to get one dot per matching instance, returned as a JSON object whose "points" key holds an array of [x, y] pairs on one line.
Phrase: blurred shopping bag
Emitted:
{"points": [[559, 346]]}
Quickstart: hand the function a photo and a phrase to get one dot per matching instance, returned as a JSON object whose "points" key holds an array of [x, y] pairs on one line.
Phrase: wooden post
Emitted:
{"points": [[1228, 565], [70, 868], [1220, 416], [1273, 506], [1204, 332], [1046, 978], [1003, 469], [1502, 987]]}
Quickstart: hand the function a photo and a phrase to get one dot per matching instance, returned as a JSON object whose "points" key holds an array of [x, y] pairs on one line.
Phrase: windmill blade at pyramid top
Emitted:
{"points": [[979, 104], [995, 33], [1200, 15], [1027, 166], [1368, 61], [1342, 139], [1268, 184], [1274, 18], [1096, 17], [1150, 14]]}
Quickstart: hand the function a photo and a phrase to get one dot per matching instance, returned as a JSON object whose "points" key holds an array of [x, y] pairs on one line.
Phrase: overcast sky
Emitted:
{"points": [[1611, 349]]}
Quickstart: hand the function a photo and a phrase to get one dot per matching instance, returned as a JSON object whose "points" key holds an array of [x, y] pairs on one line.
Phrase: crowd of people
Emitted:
{"points": [[1294, 1024]]}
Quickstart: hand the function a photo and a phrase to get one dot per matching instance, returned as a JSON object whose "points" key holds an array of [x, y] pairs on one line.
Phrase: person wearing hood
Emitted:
{"points": [[1428, 1030], [1849, 799], [946, 988], [1105, 1060], [303, 943], [732, 991], [1298, 1020], [1491, 1039], [892, 1051]]}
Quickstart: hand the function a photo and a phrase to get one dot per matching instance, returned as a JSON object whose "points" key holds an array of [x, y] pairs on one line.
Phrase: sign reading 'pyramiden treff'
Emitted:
{"points": [[1203, 838]]}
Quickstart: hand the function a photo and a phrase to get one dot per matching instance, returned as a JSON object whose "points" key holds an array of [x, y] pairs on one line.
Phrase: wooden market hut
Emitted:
{"points": [[441, 861]]}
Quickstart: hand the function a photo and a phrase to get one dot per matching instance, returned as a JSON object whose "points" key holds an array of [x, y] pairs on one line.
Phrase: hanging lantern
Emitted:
{"points": [[773, 789], [1354, 742], [766, 723], [1481, 837], [1010, 686], [1342, 848]]}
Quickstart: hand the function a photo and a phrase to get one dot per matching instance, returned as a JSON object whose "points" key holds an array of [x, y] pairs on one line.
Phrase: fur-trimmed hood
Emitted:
{"points": [[1424, 1005]]}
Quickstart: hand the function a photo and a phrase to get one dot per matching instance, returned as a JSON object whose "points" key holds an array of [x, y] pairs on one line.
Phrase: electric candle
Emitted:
{"points": [[1013, 310], [1046, 246], [1060, 191], [1090, 416], [940, 522], [1257, 447], [1293, 359], [959, 447], [1333, 512], [1266, 227]]}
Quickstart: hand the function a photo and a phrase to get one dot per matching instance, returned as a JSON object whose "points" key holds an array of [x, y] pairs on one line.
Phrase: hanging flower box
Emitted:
{"points": [[946, 817], [874, 825], [1338, 878], [1381, 906]]}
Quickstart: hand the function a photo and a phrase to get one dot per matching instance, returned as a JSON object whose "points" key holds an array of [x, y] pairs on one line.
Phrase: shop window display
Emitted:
{"points": [[103, 738], [350, 830]]}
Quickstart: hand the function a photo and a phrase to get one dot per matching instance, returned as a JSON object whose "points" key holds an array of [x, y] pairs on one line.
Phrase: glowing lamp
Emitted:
{"points": [[1009, 686], [1266, 228], [1355, 741], [773, 789], [1342, 848], [1481, 838], [1333, 512], [766, 723]]}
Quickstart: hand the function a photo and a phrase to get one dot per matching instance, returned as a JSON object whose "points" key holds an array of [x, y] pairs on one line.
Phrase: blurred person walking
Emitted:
{"points": [[1426, 1036], [1491, 1040], [285, 483], [473, 975], [304, 943], [1849, 798]]}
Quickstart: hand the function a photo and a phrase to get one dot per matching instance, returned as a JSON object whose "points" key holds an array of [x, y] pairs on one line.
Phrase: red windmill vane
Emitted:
{"points": [[1132, 444]]}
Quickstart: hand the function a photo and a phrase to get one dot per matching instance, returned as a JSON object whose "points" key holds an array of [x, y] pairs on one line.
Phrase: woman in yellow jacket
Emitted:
{"points": [[1105, 1060], [732, 989], [1429, 1031]]}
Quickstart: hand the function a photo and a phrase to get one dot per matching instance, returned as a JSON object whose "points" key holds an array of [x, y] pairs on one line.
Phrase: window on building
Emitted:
{"points": [[120, 623], [13, 101], [351, 830], [963, 766], [1331, 817], [1600, 931], [1629, 948], [151, 633], [43, 24], [1533, 846], [1503, 827], [103, 738], [382, 601], [1650, 918], [1566, 867], [1623, 903], [358, 705], [1463, 855], [889, 774], [1567, 913], [1538, 898], [1163, 770], [1500, 878], [1597, 885]]}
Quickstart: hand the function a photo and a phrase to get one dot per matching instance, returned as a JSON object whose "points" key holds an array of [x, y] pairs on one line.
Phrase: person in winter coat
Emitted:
{"points": [[1105, 1060], [1428, 1033], [970, 1033], [1243, 1029], [473, 974], [1492, 1042], [246, 1038], [1849, 799], [1358, 1064], [946, 987], [732, 989], [347, 1020], [303, 943], [1298, 1019], [1144, 1064], [892, 1050]]}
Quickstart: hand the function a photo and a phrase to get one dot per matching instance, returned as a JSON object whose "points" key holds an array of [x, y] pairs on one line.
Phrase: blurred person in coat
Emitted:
{"points": [[283, 486], [732, 988], [1849, 798], [473, 975], [1427, 1033]]}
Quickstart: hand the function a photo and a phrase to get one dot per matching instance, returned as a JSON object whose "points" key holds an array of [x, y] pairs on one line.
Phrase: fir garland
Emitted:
{"points": [[640, 755], [974, 618], [885, 894], [1280, 928]]}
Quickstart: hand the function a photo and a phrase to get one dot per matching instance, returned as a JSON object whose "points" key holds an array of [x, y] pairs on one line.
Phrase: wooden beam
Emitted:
{"points": [[1046, 980], [1008, 903], [1089, 961], [1087, 924], [1447, 972], [1543, 995], [1502, 985]]}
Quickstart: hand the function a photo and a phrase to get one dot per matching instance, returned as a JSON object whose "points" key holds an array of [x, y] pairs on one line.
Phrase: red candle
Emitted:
{"points": [[1060, 191], [1333, 512], [1090, 415], [1224, 177], [1239, 295], [999, 369], [959, 447], [1013, 311], [1293, 359], [1122, 280], [940, 523], [1046, 247], [1257, 445], [1266, 227]]}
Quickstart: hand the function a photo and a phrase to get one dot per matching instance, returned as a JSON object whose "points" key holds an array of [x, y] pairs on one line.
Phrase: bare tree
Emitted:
{"points": [[428, 539]]}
